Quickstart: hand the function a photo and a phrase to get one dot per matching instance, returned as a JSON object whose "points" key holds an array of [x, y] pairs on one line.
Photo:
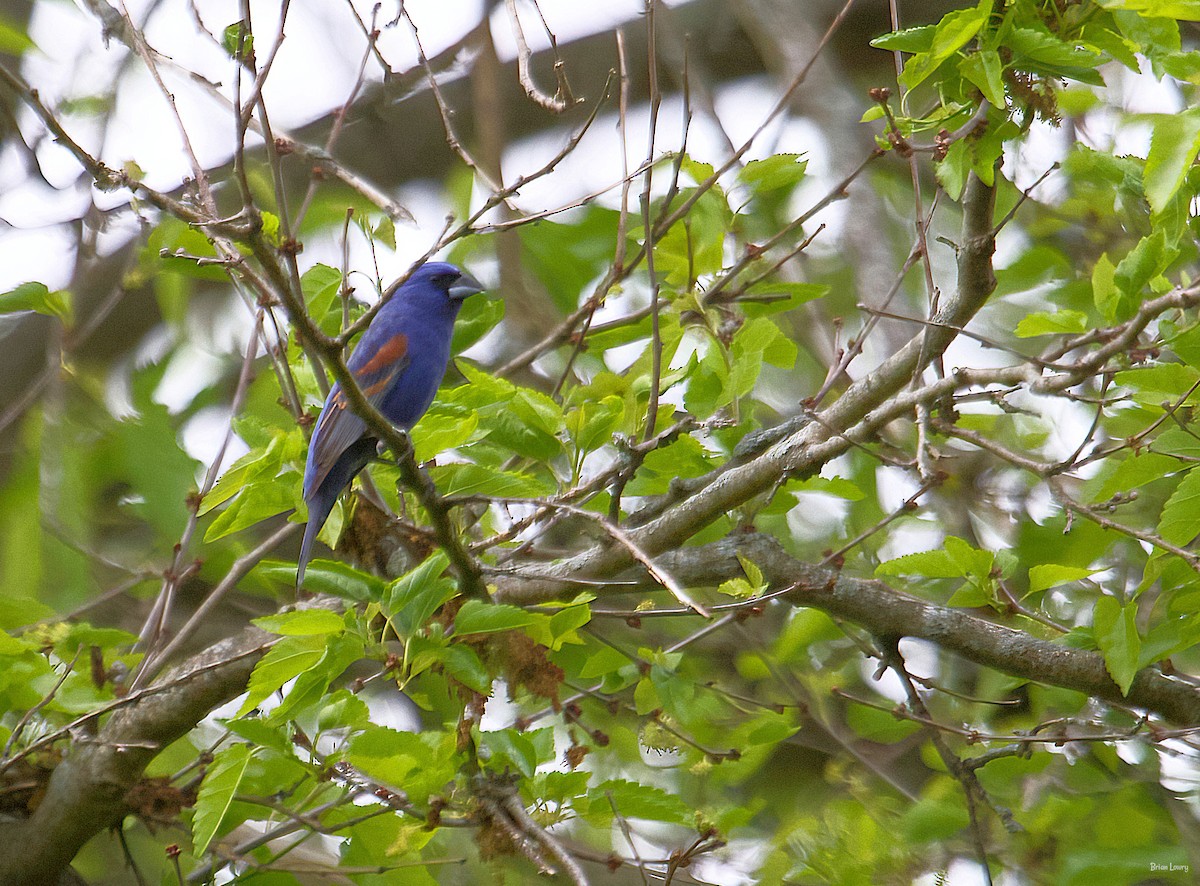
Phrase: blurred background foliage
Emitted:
{"points": [[145, 463]]}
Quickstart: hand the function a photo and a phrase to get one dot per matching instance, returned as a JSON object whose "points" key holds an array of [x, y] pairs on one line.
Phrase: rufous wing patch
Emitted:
{"points": [[389, 353]]}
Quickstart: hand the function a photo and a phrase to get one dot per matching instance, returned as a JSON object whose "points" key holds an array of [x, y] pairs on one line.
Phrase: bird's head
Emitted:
{"points": [[449, 281]]}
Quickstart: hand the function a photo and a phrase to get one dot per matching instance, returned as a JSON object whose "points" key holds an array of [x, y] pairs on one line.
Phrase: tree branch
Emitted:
{"points": [[86, 792]]}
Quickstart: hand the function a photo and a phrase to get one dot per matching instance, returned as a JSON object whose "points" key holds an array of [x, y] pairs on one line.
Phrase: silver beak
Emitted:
{"points": [[464, 286]]}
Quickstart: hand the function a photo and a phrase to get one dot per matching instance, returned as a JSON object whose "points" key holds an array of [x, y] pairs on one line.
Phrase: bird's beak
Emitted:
{"points": [[464, 286]]}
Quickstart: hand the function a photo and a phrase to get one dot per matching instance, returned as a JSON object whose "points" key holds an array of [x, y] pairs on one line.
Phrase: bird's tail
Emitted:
{"points": [[310, 533], [322, 499], [319, 507]]}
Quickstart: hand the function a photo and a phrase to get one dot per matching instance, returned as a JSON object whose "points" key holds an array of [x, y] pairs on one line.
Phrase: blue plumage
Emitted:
{"points": [[398, 363]]}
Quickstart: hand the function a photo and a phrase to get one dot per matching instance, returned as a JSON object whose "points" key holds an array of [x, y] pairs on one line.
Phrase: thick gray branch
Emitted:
{"points": [[87, 791], [816, 442], [884, 611]]}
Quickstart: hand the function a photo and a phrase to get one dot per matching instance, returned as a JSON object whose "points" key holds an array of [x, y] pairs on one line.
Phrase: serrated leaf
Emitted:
{"points": [[919, 39], [635, 800], [255, 465], [774, 172], [1180, 521], [1049, 575], [1116, 634], [412, 599], [474, 479], [327, 577], [1173, 148], [464, 665], [951, 34], [477, 617], [1153, 384], [985, 70], [39, 298], [216, 793], [775, 296], [238, 41], [260, 734], [593, 424], [513, 747], [931, 564], [284, 661], [604, 661], [1183, 10], [256, 503], [1052, 323], [436, 433], [302, 623], [341, 651]]}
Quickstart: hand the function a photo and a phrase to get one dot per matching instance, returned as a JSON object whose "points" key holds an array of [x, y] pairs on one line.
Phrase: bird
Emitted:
{"points": [[398, 364]]}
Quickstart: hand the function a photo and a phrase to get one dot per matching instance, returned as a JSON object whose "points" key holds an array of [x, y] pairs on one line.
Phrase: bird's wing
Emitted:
{"points": [[376, 369]]}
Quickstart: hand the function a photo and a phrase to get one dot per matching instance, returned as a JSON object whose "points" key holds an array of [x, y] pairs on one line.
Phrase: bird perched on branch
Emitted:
{"points": [[398, 364]]}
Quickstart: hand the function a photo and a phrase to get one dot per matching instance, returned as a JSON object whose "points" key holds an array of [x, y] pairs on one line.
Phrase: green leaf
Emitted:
{"points": [[879, 726], [1143, 264], [436, 433], [38, 297], [321, 285], [694, 248], [508, 746], [477, 617], [1173, 148], [304, 622], [284, 661], [255, 504], [341, 651], [238, 41], [473, 479], [412, 599], [1052, 323], [464, 665], [984, 69], [1180, 521], [1116, 634], [952, 33], [919, 39], [1179, 442], [1039, 51], [256, 465], [956, 559], [604, 661], [774, 296], [1051, 575], [774, 172], [1104, 287], [953, 169], [327, 577], [565, 623], [1152, 385], [216, 793], [593, 424], [635, 800], [261, 734], [645, 697], [343, 709], [519, 419], [13, 39], [478, 316], [1184, 10], [934, 820]]}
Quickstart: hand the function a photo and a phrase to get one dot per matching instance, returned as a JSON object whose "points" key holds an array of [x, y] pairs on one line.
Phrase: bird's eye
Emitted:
{"points": [[446, 280]]}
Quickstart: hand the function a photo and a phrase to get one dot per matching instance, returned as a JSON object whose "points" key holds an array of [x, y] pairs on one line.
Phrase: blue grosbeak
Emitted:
{"points": [[398, 363]]}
